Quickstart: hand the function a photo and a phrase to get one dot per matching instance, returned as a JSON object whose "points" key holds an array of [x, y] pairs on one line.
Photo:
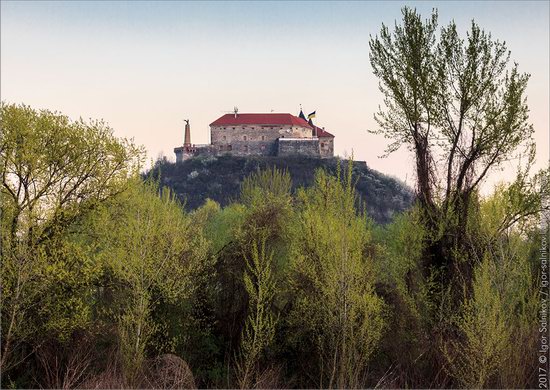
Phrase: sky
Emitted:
{"points": [[144, 67]]}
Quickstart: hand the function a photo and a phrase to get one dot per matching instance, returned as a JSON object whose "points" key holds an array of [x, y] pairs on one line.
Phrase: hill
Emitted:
{"points": [[219, 178]]}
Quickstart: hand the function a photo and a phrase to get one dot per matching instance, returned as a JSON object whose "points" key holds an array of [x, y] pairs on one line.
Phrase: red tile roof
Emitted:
{"points": [[260, 119], [322, 133]]}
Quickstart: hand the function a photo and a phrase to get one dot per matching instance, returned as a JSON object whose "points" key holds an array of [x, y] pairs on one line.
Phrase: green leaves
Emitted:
{"points": [[404, 61], [54, 169], [452, 101], [335, 306], [54, 173], [301, 287], [151, 253], [264, 186], [485, 330], [259, 330]]}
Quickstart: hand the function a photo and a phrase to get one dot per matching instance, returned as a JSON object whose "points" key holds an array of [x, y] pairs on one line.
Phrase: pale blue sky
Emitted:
{"points": [[144, 67]]}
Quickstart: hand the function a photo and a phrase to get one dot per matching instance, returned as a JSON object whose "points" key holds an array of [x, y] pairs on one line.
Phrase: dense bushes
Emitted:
{"points": [[335, 308], [109, 282]]}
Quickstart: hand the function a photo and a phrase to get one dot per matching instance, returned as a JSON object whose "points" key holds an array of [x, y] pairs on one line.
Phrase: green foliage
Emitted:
{"points": [[267, 199], [400, 250], [54, 173], [266, 186], [223, 227], [516, 205], [460, 106], [450, 96], [102, 272], [260, 325], [456, 101], [398, 256], [153, 251], [335, 307], [497, 324], [53, 169], [405, 63], [70, 274], [484, 331], [266, 194]]}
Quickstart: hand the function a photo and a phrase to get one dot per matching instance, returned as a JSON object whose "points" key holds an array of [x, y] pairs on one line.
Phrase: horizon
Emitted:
{"points": [[144, 67]]}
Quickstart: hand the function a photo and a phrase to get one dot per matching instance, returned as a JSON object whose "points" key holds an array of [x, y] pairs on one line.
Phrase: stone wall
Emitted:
{"points": [[254, 139], [182, 153], [248, 148], [185, 152], [296, 146], [326, 146]]}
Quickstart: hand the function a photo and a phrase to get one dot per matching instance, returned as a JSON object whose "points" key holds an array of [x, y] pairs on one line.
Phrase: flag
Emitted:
{"points": [[312, 115], [302, 115]]}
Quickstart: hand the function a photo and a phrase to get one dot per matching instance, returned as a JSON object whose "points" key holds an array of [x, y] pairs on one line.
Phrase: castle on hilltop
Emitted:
{"points": [[272, 134]]}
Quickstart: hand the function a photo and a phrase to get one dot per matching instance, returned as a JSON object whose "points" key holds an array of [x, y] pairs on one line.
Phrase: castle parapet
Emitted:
{"points": [[298, 146], [187, 151]]}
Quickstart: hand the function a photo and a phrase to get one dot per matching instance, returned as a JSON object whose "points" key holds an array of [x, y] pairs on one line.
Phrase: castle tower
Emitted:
{"points": [[187, 139]]}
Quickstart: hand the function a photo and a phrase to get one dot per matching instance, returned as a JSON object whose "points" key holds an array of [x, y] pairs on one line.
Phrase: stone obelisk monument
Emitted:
{"points": [[187, 139]]}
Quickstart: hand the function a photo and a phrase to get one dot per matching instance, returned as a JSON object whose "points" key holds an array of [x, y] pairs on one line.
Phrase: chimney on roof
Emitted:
{"points": [[236, 111]]}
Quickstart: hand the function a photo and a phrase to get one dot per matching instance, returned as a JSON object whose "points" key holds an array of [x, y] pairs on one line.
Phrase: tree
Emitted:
{"points": [[335, 307], [260, 324], [484, 331], [496, 326], [266, 194], [259, 237], [459, 106], [54, 172], [153, 251], [405, 64]]}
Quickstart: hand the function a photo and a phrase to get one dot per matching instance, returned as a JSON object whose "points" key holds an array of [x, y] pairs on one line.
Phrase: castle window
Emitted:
{"points": [[224, 137], [322, 144], [263, 137], [229, 147], [233, 128], [246, 148], [244, 137]]}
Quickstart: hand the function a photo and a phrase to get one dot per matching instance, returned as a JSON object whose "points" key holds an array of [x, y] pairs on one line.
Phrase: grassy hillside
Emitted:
{"points": [[219, 178]]}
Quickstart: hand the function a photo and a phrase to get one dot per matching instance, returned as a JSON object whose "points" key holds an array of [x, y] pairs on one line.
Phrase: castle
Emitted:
{"points": [[273, 134]]}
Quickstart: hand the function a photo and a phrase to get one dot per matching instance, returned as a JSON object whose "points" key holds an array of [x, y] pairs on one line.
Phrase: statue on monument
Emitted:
{"points": [[187, 139]]}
